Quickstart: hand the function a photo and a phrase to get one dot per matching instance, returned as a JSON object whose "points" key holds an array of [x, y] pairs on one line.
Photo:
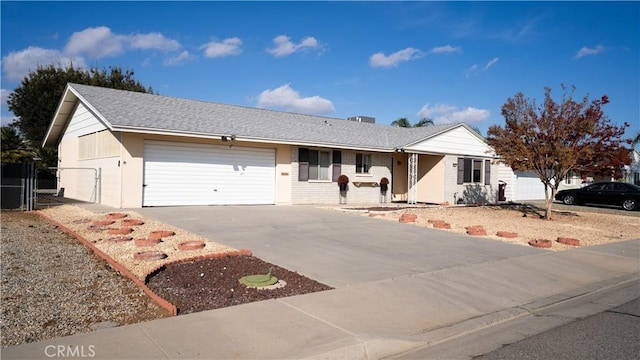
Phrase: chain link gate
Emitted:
{"points": [[54, 186]]}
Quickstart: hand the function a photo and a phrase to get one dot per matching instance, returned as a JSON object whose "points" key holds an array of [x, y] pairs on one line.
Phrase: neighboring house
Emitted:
{"points": [[520, 185], [632, 171], [525, 185], [153, 150]]}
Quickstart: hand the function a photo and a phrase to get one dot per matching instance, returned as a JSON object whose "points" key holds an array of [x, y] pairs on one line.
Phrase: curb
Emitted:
{"points": [[542, 307]]}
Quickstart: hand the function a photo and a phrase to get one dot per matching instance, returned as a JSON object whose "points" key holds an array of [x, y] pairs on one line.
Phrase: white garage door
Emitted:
{"points": [[528, 186], [198, 174]]}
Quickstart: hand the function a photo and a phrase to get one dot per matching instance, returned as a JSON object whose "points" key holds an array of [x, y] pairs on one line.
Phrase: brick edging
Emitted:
{"points": [[116, 265]]}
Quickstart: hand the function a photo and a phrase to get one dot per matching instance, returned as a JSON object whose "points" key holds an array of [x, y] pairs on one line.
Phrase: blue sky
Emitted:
{"points": [[449, 61]]}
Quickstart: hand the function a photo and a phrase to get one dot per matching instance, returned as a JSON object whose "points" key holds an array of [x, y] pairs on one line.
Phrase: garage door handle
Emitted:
{"points": [[214, 190]]}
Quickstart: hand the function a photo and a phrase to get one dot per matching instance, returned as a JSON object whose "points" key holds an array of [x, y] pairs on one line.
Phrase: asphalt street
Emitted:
{"points": [[611, 334]]}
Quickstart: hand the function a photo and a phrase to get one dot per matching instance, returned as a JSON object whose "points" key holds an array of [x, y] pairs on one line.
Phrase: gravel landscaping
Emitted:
{"points": [[589, 227], [52, 286]]}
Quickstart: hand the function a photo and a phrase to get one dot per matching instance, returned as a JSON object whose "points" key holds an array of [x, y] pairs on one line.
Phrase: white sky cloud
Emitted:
{"points": [[98, 42], [585, 51], [382, 60], [181, 58], [447, 49], [448, 114], [93, 43], [284, 46], [17, 64], [491, 63], [155, 41], [289, 99], [226, 47], [476, 67]]}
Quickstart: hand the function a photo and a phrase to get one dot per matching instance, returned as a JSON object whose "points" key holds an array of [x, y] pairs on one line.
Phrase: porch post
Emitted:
{"points": [[412, 188]]}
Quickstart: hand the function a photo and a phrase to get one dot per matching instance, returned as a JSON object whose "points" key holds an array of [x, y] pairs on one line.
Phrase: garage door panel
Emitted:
{"points": [[528, 186], [198, 174]]}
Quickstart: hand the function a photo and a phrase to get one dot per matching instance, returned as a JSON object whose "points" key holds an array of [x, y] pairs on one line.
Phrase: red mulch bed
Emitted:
{"points": [[194, 286]]}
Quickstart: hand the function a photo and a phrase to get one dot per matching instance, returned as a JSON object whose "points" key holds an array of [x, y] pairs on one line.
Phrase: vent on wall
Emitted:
{"points": [[367, 119]]}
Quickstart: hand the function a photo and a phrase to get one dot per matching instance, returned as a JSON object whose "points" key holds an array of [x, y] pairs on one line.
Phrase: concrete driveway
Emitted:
{"points": [[401, 290], [333, 247]]}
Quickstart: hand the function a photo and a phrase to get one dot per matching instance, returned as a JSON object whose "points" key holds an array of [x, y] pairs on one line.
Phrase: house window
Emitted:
{"points": [[319, 165], [363, 163], [471, 171], [316, 164]]}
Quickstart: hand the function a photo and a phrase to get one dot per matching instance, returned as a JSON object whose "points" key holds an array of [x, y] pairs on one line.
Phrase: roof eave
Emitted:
{"points": [[141, 130], [61, 117]]}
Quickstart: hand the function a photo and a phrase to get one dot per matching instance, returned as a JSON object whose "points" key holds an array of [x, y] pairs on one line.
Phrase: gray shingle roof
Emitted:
{"points": [[126, 111]]}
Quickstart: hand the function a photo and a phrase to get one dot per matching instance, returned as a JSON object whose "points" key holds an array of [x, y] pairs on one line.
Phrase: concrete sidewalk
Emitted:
{"points": [[373, 319]]}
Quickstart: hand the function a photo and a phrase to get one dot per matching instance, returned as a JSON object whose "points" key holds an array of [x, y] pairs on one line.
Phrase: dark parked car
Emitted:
{"points": [[603, 193]]}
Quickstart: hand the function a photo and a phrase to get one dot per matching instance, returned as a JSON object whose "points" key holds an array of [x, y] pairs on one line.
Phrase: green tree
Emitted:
{"points": [[35, 101], [403, 122], [555, 138], [14, 148]]}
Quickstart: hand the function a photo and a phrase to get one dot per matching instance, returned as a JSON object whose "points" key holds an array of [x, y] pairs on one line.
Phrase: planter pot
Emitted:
{"points": [[343, 187], [384, 188]]}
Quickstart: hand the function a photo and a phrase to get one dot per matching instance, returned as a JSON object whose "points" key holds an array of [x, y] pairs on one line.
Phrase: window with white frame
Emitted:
{"points": [[474, 171], [363, 163], [318, 164]]}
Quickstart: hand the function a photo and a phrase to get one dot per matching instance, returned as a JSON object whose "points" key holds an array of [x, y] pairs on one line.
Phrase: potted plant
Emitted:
{"points": [[384, 185], [343, 180]]}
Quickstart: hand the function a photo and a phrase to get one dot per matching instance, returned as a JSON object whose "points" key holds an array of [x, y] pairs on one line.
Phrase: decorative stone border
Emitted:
{"points": [[476, 230], [116, 216], [103, 223], [191, 245], [408, 218], [159, 234], [117, 266], [507, 234], [147, 242], [120, 231], [131, 222], [149, 255], [120, 239], [540, 243], [568, 241], [441, 225]]}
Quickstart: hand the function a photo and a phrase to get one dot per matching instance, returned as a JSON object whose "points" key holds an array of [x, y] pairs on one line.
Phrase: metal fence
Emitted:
{"points": [[26, 187]]}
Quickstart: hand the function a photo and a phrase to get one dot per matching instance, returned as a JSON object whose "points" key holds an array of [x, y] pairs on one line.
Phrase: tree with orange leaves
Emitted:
{"points": [[555, 138]]}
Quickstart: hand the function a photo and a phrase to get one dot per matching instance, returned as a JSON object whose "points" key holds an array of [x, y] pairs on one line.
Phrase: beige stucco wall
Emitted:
{"points": [[133, 165], [78, 177], [431, 179], [400, 177]]}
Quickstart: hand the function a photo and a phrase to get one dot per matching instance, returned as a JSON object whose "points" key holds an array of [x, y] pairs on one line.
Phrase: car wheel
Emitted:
{"points": [[569, 199], [629, 204]]}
